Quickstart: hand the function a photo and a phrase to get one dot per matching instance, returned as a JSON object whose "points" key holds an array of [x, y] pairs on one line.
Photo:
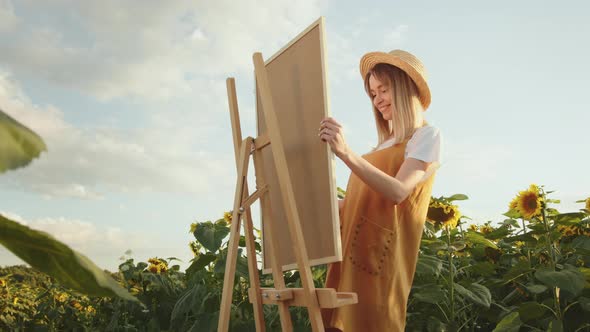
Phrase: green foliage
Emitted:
{"points": [[48, 255], [18, 144]]}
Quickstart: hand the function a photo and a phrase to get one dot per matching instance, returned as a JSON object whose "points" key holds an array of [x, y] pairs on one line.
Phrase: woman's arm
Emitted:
{"points": [[395, 188]]}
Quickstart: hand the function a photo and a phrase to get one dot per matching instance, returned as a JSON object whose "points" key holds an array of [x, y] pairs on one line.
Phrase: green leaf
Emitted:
{"points": [[572, 217], [555, 326], [211, 235], [582, 245], [498, 233], [200, 263], [511, 222], [483, 268], [584, 303], [476, 293], [514, 214], [457, 197], [341, 193], [46, 254], [429, 265], [510, 323], [531, 310], [536, 289], [242, 243], [518, 270], [241, 264], [477, 238], [569, 280], [430, 294], [18, 144]]}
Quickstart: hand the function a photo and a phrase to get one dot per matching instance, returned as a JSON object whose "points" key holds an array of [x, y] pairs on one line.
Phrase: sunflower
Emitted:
{"points": [[193, 227], [528, 202], [227, 216], [442, 214], [569, 230], [588, 204], [61, 297], [157, 265], [195, 248], [486, 229], [473, 227]]}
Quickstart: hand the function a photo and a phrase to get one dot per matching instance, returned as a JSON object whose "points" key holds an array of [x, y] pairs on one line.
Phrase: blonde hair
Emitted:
{"points": [[407, 111]]}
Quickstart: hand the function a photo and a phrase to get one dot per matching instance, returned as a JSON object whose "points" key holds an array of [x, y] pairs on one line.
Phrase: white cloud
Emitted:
{"points": [[156, 51], [84, 162]]}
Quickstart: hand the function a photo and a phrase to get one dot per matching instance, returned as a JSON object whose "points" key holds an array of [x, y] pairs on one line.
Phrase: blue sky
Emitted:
{"points": [[130, 99]]}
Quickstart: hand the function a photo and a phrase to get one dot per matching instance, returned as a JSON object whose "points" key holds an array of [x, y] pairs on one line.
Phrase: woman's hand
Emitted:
{"points": [[331, 132]]}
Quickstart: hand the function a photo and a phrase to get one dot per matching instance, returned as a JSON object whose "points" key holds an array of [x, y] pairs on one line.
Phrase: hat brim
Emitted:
{"points": [[369, 60]]}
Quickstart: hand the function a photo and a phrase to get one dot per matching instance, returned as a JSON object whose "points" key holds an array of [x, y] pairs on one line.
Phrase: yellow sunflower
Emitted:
{"points": [[227, 216], [513, 204], [193, 227], [195, 248], [473, 227], [569, 230], [157, 265], [588, 204], [528, 202], [486, 229], [445, 215]]}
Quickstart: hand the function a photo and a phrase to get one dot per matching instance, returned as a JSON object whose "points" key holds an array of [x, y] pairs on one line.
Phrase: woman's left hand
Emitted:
{"points": [[331, 132]]}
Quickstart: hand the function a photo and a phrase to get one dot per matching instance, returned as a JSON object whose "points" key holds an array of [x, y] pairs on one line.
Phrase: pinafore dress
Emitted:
{"points": [[380, 243]]}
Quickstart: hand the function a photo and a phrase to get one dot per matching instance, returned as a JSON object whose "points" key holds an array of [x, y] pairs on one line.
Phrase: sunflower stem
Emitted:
{"points": [[451, 274], [551, 253]]}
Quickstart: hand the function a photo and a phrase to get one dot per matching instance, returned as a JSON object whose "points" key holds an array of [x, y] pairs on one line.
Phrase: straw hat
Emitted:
{"points": [[404, 61]]}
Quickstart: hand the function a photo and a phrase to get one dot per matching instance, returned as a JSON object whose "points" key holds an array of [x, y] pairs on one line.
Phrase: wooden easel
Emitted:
{"points": [[308, 296]]}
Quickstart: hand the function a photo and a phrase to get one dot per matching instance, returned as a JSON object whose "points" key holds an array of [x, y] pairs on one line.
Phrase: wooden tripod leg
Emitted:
{"points": [[286, 190], [248, 226], [234, 239], [277, 273]]}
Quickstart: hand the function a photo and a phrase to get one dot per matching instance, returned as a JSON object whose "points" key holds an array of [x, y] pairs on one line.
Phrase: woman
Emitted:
{"points": [[387, 196]]}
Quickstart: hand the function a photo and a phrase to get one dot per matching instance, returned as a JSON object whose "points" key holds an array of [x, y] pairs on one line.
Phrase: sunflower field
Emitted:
{"points": [[528, 273]]}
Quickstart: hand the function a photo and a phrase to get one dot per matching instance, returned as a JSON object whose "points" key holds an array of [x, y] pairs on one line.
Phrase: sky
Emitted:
{"points": [[130, 98]]}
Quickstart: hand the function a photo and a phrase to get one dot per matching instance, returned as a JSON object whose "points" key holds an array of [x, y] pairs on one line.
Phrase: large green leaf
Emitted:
{"points": [[569, 280], [477, 238], [531, 310], [475, 293], [18, 144], [210, 235], [430, 294], [510, 323], [46, 254], [429, 265]]}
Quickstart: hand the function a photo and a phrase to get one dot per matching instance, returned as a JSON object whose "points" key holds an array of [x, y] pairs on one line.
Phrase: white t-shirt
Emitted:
{"points": [[424, 145]]}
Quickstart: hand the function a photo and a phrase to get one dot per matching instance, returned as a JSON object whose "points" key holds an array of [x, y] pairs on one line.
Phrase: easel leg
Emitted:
{"points": [[248, 226], [234, 238], [277, 272], [253, 270]]}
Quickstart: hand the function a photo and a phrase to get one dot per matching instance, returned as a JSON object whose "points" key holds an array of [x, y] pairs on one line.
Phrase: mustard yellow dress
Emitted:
{"points": [[380, 243]]}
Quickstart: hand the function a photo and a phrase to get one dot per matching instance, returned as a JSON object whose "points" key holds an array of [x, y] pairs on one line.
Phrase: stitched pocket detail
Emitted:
{"points": [[370, 247]]}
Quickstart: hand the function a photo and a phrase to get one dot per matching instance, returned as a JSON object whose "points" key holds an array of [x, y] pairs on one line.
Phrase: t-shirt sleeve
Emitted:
{"points": [[425, 145]]}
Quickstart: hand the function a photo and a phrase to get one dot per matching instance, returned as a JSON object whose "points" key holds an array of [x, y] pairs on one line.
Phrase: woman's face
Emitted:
{"points": [[381, 96]]}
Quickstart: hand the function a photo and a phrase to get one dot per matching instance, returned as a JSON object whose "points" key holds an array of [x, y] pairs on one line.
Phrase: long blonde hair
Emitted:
{"points": [[407, 114]]}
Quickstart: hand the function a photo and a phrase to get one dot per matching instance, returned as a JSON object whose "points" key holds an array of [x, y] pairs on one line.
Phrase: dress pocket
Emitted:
{"points": [[371, 246]]}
